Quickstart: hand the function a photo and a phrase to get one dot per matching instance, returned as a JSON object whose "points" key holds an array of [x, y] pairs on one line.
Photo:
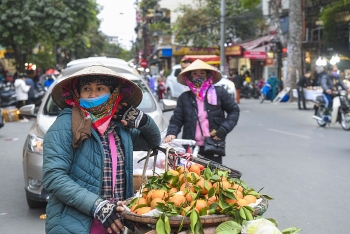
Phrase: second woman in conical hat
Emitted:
{"points": [[201, 111]]}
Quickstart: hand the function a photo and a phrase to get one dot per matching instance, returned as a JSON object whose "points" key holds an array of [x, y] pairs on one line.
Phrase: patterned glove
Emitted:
{"points": [[106, 213], [134, 117], [221, 133]]}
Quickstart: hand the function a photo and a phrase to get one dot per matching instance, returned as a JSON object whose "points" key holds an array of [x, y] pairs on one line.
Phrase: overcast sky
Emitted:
{"points": [[118, 19]]}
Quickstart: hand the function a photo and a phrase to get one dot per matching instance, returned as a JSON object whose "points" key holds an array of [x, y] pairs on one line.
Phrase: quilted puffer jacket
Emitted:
{"points": [[185, 114], [73, 176]]}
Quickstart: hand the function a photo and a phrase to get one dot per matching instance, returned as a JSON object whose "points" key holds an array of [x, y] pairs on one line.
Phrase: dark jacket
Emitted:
{"points": [[331, 82], [74, 176], [185, 114], [238, 81], [303, 82]]}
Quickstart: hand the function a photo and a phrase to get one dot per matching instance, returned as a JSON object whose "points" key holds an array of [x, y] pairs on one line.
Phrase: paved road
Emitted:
{"points": [[305, 169]]}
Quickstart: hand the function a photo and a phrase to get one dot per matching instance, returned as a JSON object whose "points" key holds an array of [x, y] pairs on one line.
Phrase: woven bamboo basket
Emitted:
{"points": [[175, 221]]}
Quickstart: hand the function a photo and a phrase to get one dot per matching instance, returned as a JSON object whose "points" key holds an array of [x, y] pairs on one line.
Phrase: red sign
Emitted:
{"points": [[254, 55], [143, 63]]}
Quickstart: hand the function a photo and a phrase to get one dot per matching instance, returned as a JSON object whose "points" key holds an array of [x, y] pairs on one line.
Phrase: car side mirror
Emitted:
{"points": [[168, 105], [28, 110]]}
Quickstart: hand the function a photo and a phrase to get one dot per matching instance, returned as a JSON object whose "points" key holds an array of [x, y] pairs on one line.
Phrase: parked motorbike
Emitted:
{"points": [[256, 92], [340, 110], [265, 93], [7, 96], [246, 90]]}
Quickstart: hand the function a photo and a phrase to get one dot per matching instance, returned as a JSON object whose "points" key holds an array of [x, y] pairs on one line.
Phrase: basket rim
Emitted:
{"points": [[176, 220]]}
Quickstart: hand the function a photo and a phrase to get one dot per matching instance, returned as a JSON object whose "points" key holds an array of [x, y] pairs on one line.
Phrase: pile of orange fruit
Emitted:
{"points": [[193, 188]]}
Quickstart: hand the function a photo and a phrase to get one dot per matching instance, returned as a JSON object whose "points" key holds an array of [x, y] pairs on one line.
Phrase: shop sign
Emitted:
{"points": [[269, 62], [254, 55], [233, 50], [165, 53], [143, 63], [182, 50]]}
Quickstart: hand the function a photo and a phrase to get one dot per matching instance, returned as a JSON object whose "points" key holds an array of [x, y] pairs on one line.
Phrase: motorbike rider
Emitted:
{"points": [[331, 83]]}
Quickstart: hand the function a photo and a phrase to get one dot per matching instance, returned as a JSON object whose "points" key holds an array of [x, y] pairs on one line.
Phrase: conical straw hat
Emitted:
{"points": [[133, 98], [198, 64]]}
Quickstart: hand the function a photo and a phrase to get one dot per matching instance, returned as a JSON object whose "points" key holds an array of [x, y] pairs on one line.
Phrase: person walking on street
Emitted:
{"points": [[88, 151], [238, 81], [152, 83], [275, 83], [303, 83], [31, 93], [208, 103], [21, 93]]}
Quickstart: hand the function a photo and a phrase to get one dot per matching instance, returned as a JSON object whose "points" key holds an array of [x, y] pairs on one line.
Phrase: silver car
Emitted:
{"points": [[48, 111]]}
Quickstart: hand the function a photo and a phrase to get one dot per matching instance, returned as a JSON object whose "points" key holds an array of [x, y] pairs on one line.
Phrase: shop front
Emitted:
{"points": [[180, 51], [235, 60]]}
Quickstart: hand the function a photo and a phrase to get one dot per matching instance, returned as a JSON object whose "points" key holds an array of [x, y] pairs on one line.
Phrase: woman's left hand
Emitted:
{"points": [[117, 226], [129, 116]]}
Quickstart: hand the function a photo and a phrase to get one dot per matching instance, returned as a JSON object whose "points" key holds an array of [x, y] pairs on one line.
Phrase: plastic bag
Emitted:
{"points": [[260, 226]]}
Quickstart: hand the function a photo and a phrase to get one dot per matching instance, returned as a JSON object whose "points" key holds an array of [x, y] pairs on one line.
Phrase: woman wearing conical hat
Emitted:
{"points": [[201, 110], [88, 150]]}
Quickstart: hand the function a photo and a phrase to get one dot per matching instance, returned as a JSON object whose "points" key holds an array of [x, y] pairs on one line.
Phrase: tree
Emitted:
{"points": [[294, 44], [26, 23], [200, 24]]}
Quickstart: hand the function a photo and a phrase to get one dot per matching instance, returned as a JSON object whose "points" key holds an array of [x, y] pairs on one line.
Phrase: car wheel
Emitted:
{"points": [[35, 204], [169, 95]]}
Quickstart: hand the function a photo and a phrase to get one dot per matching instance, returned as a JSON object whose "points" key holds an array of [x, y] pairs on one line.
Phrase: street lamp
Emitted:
{"points": [[321, 62]]}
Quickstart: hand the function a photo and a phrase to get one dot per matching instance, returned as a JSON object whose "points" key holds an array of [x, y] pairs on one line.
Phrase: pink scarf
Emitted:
{"points": [[207, 88]]}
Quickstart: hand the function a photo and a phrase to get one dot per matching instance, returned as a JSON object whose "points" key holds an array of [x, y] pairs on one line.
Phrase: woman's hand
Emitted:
{"points": [[169, 138], [129, 116], [117, 226]]}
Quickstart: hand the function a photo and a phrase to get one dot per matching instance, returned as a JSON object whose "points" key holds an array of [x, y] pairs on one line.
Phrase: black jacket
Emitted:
{"points": [[185, 114], [238, 81], [303, 82]]}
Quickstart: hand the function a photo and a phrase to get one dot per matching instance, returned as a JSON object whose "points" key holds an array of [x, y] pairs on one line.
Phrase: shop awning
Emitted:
{"points": [[255, 43], [210, 59]]}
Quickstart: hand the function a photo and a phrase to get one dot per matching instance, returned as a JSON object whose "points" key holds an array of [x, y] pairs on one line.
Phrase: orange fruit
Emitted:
{"points": [[238, 194], [250, 198], [132, 209], [172, 190], [189, 196], [212, 199], [237, 187], [242, 202], [173, 172], [187, 187], [140, 201], [200, 204], [149, 196], [177, 199], [192, 177], [144, 192], [202, 185], [182, 178], [231, 201], [194, 168], [143, 210], [181, 169], [221, 185], [159, 194], [156, 201]]}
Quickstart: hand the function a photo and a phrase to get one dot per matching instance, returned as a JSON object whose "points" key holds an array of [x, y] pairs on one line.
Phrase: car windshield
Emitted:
{"points": [[147, 104]]}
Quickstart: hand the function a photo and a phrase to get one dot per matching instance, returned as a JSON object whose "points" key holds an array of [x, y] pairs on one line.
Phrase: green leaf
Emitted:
{"points": [[228, 227], [211, 192], [242, 213], [167, 225], [215, 178], [273, 221], [248, 214], [291, 230], [193, 220], [207, 173], [203, 211], [160, 228]]}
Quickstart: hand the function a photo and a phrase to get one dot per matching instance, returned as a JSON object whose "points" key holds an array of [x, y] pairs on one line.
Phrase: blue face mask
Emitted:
{"points": [[93, 102]]}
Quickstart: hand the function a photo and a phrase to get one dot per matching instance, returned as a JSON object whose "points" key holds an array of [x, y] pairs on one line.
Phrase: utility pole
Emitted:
{"points": [[222, 37]]}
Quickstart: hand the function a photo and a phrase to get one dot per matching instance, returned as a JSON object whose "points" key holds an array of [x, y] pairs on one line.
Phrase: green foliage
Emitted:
{"points": [[201, 23], [330, 17], [160, 26]]}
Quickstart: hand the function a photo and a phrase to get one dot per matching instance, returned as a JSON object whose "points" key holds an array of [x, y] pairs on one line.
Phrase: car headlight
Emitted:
{"points": [[35, 144]]}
